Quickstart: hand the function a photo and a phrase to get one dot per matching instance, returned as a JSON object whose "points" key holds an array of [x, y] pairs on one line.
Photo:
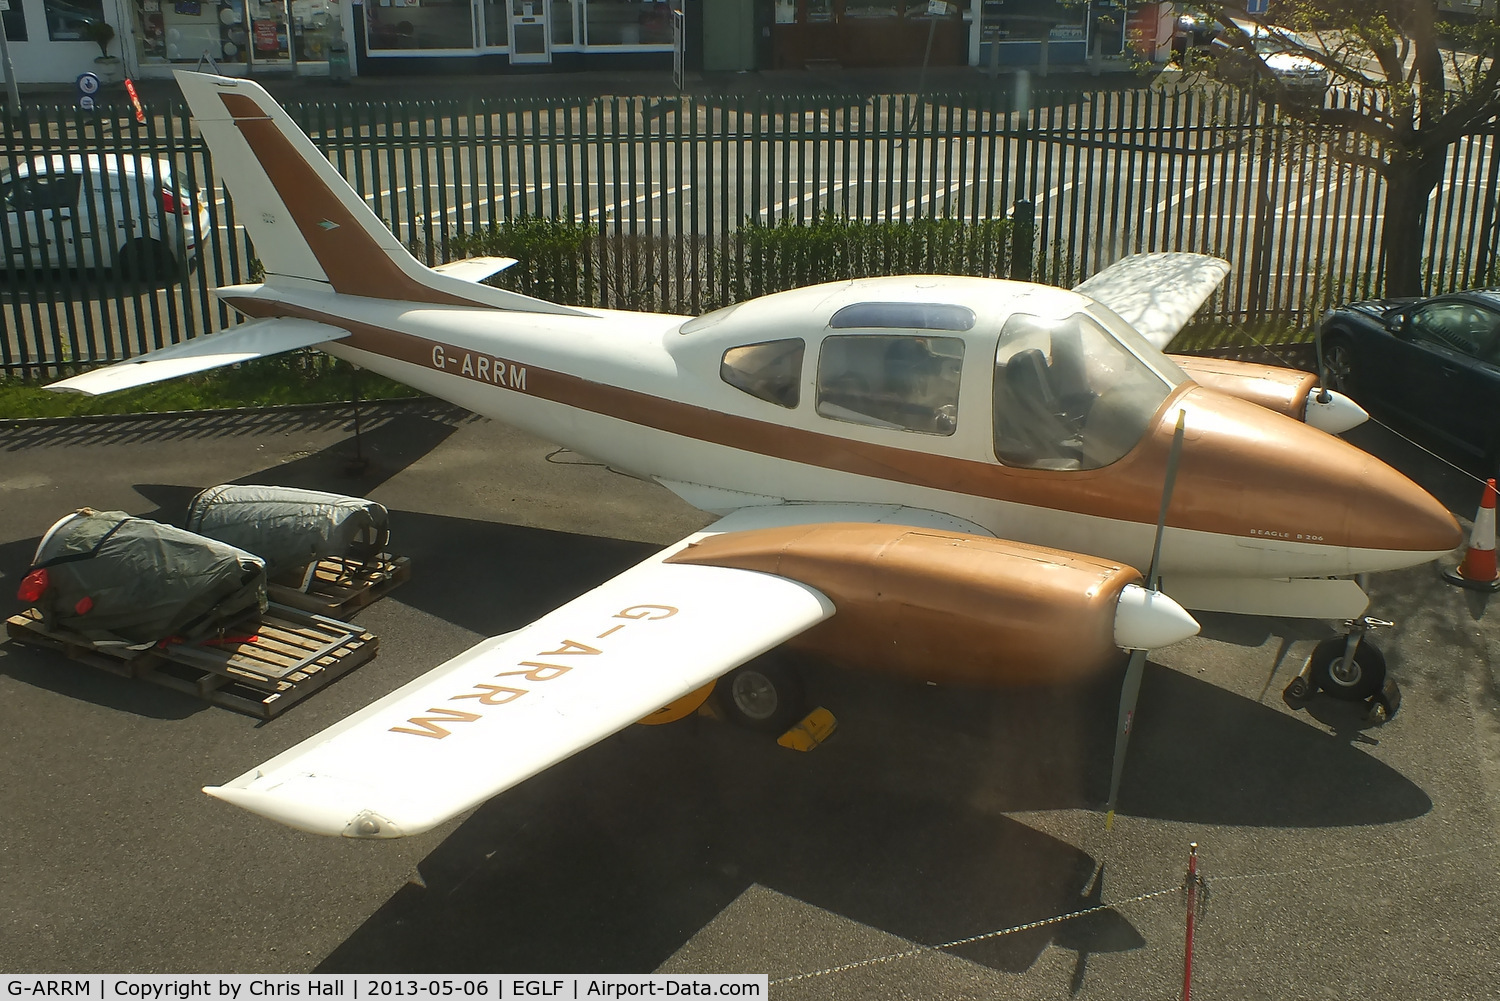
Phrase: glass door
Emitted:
{"points": [[530, 31]]}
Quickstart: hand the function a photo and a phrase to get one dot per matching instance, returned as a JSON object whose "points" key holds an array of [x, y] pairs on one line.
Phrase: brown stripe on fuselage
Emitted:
{"points": [[354, 263], [1295, 484]]}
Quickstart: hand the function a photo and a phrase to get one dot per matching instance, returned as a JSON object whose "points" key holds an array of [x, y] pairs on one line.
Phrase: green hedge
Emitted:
{"points": [[572, 263]]}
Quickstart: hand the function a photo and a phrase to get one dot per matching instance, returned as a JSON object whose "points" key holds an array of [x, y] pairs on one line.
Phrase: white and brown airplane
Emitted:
{"points": [[954, 479]]}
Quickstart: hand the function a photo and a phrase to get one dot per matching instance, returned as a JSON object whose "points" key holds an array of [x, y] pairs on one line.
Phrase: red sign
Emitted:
{"points": [[265, 36]]}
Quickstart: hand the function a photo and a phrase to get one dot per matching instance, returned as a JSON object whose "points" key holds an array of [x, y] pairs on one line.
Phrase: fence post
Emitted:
{"points": [[1022, 240]]}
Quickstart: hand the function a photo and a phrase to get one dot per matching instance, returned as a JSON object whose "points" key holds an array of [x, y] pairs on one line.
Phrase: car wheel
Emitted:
{"points": [[145, 260], [1350, 679], [1338, 363], [764, 694]]}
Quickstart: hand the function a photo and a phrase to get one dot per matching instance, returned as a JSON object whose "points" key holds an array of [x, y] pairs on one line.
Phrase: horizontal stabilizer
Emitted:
{"points": [[1156, 293], [475, 269], [512, 706], [255, 339]]}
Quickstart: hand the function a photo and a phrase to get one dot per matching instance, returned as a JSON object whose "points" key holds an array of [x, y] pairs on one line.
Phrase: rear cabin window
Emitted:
{"points": [[770, 370], [906, 382]]}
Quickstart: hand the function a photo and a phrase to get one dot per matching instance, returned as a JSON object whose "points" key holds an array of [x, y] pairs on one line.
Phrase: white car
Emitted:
{"points": [[100, 211], [1277, 48]]}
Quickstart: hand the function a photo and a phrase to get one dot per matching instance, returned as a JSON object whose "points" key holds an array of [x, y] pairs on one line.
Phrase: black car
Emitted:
{"points": [[1433, 362], [1195, 30]]}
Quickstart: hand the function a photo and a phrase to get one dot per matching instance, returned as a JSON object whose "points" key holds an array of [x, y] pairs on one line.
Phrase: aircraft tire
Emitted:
{"points": [[1354, 682], [764, 694]]}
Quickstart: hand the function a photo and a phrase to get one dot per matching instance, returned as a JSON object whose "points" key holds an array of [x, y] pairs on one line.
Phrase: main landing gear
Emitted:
{"points": [[1350, 668]]}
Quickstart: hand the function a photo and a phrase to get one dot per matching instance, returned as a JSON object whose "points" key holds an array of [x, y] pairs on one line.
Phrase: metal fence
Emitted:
{"points": [[664, 186]]}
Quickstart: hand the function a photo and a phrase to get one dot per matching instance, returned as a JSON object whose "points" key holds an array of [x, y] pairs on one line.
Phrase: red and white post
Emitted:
{"points": [[1477, 571], [1192, 884]]}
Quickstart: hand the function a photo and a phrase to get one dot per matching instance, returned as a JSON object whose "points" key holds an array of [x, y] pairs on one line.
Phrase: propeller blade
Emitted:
{"points": [[1130, 691], [1128, 695], [1166, 497]]}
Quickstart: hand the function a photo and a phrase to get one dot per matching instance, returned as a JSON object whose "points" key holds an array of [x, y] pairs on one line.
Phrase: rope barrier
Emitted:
{"points": [[1060, 918], [1028, 926]]}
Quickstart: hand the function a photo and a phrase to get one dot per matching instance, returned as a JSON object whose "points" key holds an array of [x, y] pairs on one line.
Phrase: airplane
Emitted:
{"points": [[954, 479]]}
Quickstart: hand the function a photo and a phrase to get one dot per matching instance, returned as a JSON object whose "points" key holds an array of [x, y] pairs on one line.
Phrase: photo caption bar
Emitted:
{"points": [[316, 987]]}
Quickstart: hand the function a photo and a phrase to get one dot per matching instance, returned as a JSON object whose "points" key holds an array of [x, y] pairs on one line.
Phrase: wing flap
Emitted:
{"points": [[248, 341], [513, 705], [1156, 293]]}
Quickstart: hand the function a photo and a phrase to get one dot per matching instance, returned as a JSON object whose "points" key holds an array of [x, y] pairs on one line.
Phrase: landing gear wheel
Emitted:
{"points": [[1351, 679], [762, 695]]}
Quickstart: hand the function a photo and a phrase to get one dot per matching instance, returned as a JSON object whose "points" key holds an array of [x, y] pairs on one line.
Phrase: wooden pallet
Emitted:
{"points": [[261, 666], [337, 586]]}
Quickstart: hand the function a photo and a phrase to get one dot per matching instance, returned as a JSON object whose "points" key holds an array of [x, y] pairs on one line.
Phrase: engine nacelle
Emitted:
{"points": [[1284, 390], [950, 607]]}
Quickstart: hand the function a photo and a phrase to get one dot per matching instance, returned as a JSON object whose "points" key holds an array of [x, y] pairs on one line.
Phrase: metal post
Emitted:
{"points": [[1192, 915], [12, 91]]}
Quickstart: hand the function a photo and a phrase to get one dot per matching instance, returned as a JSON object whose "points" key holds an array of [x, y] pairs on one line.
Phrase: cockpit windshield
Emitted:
{"points": [[1071, 394]]}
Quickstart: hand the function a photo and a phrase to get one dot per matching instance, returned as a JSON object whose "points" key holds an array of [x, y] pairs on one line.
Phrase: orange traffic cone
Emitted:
{"points": [[1477, 571]]}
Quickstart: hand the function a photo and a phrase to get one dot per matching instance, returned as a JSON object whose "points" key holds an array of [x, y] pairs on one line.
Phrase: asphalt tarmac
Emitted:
{"points": [[1343, 860]]}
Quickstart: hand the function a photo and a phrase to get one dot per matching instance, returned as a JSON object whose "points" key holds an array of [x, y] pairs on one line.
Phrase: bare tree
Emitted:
{"points": [[1407, 82]]}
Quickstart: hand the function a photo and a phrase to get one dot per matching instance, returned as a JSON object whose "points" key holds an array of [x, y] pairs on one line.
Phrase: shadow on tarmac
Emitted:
{"points": [[614, 858]]}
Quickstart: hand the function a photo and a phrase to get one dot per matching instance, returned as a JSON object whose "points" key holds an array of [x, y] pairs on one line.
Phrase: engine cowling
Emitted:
{"points": [[952, 607]]}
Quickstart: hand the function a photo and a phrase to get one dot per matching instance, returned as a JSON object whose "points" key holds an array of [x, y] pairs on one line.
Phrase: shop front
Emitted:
{"points": [[867, 33], [423, 35], [235, 35], [53, 41]]}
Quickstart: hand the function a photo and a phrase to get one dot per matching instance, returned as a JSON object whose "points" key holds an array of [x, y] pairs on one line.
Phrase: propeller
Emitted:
{"points": [[1136, 666]]}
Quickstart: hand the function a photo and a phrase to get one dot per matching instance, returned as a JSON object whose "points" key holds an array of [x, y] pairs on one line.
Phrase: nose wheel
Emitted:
{"points": [[1350, 668]]}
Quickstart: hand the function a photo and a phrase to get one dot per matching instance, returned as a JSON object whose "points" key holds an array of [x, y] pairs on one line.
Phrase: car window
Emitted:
{"points": [[45, 191], [905, 382], [1459, 326], [770, 370]]}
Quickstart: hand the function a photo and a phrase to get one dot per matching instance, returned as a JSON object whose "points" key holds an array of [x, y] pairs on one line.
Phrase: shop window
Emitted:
{"points": [[430, 24], [15, 22], [770, 371], [70, 21], [627, 22]]}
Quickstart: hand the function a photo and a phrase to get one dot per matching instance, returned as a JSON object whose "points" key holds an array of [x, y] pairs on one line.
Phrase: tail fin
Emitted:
{"points": [[305, 220]]}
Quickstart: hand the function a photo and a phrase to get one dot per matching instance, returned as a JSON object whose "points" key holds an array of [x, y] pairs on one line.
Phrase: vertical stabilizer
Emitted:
{"points": [[304, 219]]}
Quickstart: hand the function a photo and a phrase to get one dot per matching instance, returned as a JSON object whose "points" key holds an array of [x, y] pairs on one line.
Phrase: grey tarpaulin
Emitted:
{"points": [[111, 576], [288, 527]]}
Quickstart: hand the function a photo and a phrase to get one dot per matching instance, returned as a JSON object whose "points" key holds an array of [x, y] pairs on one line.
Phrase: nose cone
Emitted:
{"points": [[1311, 503], [1145, 620]]}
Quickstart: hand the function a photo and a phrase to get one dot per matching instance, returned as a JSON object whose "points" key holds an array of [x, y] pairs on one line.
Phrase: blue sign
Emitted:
{"points": [[1257, 6], [88, 86]]}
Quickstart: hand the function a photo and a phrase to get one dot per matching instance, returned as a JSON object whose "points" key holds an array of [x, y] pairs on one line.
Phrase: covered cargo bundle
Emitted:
{"points": [[109, 576], [290, 528]]}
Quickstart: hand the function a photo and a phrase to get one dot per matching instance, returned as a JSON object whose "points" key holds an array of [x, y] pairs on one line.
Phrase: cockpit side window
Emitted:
{"points": [[770, 370], [1068, 395], [905, 382]]}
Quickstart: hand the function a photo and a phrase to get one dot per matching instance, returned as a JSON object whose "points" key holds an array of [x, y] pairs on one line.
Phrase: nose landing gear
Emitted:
{"points": [[1352, 669]]}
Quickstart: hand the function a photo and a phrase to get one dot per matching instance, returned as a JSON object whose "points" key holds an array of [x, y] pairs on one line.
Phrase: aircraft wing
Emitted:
{"points": [[513, 705], [255, 339], [1156, 293]]}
